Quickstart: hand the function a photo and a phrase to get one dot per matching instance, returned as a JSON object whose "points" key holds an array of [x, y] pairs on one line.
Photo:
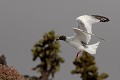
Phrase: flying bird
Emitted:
{"points": [[80, 41], [85, 22]]}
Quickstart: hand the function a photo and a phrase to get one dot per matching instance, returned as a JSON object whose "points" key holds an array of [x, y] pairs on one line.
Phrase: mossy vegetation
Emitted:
{"points": [[47, 50], [85, 65]]}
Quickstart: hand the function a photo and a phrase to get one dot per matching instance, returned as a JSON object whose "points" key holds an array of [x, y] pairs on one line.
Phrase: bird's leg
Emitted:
{"points": [[78, 54]]}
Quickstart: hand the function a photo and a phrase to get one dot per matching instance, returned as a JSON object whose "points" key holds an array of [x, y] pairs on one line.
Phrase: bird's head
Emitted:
{"points": [[61, 38]]}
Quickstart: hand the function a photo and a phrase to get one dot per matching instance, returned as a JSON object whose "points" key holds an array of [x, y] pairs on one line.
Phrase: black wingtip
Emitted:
{"points": [[104, 20], [101, 18]]}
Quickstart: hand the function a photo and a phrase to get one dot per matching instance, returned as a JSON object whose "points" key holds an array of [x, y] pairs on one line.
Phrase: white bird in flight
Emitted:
{"points": [[80, 41], [85, 22], [83, 33]]}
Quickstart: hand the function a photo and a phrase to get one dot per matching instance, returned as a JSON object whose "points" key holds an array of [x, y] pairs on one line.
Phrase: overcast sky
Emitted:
{"points": [[23, 22]]}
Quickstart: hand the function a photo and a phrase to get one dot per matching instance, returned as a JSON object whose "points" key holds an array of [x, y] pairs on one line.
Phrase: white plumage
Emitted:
{"points": [[80, 41], [83, 33], [85, 22]]}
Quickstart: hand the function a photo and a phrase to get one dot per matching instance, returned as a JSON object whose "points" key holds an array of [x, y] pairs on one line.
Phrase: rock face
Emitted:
{"points": [[9, 73], [3, 60]]}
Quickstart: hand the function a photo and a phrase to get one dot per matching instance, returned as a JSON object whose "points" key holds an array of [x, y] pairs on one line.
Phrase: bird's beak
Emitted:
{"points": [[57, 39]]}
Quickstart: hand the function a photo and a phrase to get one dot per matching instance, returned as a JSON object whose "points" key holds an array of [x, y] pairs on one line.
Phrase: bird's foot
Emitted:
{"points": [[78, 54]]}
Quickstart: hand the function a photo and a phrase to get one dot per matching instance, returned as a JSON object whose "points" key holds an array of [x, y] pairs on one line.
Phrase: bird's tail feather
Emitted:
{"points": [[92, 48]]}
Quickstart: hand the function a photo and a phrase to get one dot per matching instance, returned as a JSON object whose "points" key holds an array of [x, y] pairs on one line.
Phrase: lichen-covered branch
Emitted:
{"points": [[47, 50], [85, 66]]}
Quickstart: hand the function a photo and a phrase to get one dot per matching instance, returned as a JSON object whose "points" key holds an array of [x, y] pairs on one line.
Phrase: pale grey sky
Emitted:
{"points": [[23, 22]]}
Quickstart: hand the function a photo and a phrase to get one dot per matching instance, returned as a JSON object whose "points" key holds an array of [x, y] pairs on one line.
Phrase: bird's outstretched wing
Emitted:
{"points": [[101, 18], [85, 21], [81, 36], [93, 35]]}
